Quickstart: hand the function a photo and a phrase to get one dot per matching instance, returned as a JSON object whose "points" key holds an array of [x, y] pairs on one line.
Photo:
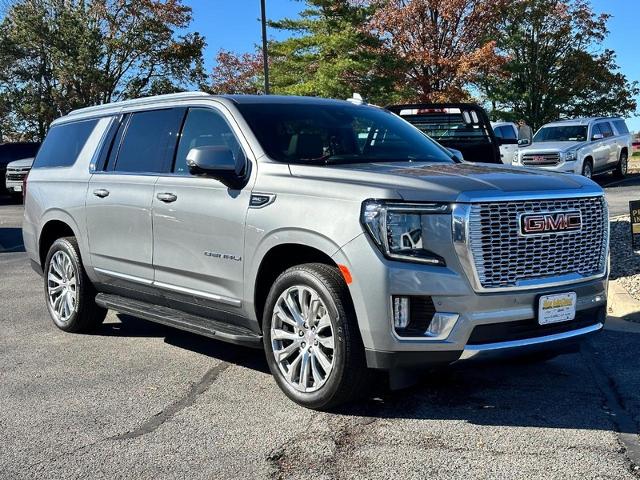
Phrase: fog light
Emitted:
{"points": [[441, 325], [400, 312]]}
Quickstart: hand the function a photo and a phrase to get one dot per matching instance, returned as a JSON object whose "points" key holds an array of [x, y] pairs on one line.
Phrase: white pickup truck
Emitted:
{"points": [[586, 146]]}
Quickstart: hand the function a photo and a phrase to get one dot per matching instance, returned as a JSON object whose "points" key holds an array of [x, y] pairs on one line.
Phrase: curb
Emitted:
{"points": [[621, 303]]}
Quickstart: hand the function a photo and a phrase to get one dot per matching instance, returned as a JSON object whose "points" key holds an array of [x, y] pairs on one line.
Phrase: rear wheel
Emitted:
{"points": [[623, 165], [311, 337], [587, 169], [69, 293]]}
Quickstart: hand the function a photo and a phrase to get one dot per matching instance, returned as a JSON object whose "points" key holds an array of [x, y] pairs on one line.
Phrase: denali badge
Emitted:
{"points": [[549, 222]]}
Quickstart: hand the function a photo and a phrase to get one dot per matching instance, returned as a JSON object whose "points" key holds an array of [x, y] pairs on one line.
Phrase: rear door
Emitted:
{"points": [[120, 196], [198, 223]]}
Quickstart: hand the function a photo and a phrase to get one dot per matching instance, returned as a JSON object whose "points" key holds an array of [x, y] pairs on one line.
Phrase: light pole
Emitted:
{"points": [[265, 55]]}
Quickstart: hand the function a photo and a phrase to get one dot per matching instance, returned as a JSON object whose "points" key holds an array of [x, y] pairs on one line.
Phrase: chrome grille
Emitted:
{"points": [[16, 176], [503, 257], [541, 159]]}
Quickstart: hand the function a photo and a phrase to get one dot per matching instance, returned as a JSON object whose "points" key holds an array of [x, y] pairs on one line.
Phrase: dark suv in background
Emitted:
{"points": [[14, 151]]}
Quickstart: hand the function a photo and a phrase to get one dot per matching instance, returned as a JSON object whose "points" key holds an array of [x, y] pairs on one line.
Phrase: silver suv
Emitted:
{"points": [[585, 146], [337, 237]]}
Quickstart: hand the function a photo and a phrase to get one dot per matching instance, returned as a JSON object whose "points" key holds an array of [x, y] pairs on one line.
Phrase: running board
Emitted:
{"points": [[181, 320]]}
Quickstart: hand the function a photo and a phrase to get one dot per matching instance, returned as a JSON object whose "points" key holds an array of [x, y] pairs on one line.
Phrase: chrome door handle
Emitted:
{"points": [[167, 197], [101, 192]]}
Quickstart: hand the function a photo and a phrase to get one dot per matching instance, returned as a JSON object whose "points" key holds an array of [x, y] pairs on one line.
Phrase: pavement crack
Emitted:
{"points": [[170, 411], [626, 427]]}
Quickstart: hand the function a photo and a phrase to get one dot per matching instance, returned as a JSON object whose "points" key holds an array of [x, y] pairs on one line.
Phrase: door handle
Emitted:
{"points": [[167, 197], [101, 192]]}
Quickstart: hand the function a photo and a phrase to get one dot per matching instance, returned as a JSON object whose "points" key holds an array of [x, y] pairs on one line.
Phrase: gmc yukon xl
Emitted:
{"points": [[337, 237]]}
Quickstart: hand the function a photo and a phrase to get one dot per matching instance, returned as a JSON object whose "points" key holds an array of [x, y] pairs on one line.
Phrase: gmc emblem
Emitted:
{"points": [[550, 222]]}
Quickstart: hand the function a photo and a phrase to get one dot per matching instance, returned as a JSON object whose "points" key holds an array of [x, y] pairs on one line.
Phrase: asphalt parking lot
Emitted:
{"points": [[139, 400]]}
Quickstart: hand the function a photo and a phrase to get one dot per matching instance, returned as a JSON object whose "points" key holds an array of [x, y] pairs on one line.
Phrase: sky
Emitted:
{"points": [[235, 26]]}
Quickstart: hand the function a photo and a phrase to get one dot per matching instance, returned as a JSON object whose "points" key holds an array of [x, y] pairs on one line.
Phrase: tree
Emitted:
{"points": [[556, 67], [443, 45], [56, 55], [235, 73], [331, 53]]}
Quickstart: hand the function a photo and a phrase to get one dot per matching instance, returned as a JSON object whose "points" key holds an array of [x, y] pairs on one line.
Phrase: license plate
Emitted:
{"points": [[556, 308], [17, 188]]}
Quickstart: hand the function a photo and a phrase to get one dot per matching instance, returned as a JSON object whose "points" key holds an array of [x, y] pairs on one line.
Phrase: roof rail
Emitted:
{"points": [[139, 101]]}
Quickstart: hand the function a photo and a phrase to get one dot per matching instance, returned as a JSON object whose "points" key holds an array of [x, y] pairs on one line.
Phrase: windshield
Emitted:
{"points": [[337, 133], [569, 133]]}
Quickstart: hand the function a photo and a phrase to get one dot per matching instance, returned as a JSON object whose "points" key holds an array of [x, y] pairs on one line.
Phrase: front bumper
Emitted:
{"points": [[13, 185], [376, 280], [563, 167]]}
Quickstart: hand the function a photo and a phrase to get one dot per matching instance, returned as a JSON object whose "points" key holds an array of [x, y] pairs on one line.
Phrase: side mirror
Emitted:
{"points": [[523, 142], [597, 136], [216, 162], [508, 141]]}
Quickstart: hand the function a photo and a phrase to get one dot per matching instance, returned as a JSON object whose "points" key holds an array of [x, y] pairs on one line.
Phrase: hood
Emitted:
{"points": [[551, 147], [443, 182], [25, 162]]}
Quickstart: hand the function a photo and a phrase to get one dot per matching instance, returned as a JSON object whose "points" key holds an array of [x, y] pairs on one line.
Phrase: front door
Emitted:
{"points": [[198, 223], [600, 148]]}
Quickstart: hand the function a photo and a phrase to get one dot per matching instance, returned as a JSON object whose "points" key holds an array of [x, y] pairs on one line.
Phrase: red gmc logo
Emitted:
{"points": [[549, 222]]}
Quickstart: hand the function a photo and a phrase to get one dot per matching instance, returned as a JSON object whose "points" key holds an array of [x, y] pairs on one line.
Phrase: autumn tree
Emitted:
{"points": [[56, 55], [331, 53], [444, 46], [237, 73], [556, 65]]}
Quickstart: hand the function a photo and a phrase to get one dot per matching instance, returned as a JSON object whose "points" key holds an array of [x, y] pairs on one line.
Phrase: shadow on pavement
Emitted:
{"points": [[565, 392]]}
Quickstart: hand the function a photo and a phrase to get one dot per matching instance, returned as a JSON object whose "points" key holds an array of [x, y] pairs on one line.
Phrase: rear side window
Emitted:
{"points": [[64, 143], [149, 141], [621, 127]]}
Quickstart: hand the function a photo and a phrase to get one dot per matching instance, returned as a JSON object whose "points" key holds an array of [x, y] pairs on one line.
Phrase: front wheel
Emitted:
{"points": [[623, 165], [311, 337], [69, 293], [587, 169]]}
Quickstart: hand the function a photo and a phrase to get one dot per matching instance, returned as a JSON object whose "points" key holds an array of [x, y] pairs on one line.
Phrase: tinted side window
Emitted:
{"points": [[63, 144], [205, 127], [621, 127], [509, 133], [149, 142], [606, 130], [498, 132]]}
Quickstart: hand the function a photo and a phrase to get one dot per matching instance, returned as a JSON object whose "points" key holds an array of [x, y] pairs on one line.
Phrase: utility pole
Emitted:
{"points": [[265, 55]]}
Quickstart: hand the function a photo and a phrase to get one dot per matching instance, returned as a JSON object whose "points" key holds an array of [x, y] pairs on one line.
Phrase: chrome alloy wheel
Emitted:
{"points": [[624, 164], [62, 287], [302, 338]]}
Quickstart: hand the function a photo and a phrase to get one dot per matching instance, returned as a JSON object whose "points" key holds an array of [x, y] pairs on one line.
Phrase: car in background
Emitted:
{"points": [[10, 152], [17, 172], [585, 146], [506, 131], [460, 126]]}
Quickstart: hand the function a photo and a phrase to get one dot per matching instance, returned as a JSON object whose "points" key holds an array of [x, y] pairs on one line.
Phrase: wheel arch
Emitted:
{"points": [[51, 230], [278, 259]]}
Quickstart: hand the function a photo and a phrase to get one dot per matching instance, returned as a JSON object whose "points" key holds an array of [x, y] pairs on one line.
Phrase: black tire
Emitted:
{"points": [[623, 164], [349, 377], [84, 315], [587, 169]]}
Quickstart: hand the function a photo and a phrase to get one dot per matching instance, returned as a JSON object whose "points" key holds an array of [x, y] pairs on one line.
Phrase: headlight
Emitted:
{"points": [[570, 156], [397, 229]]}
